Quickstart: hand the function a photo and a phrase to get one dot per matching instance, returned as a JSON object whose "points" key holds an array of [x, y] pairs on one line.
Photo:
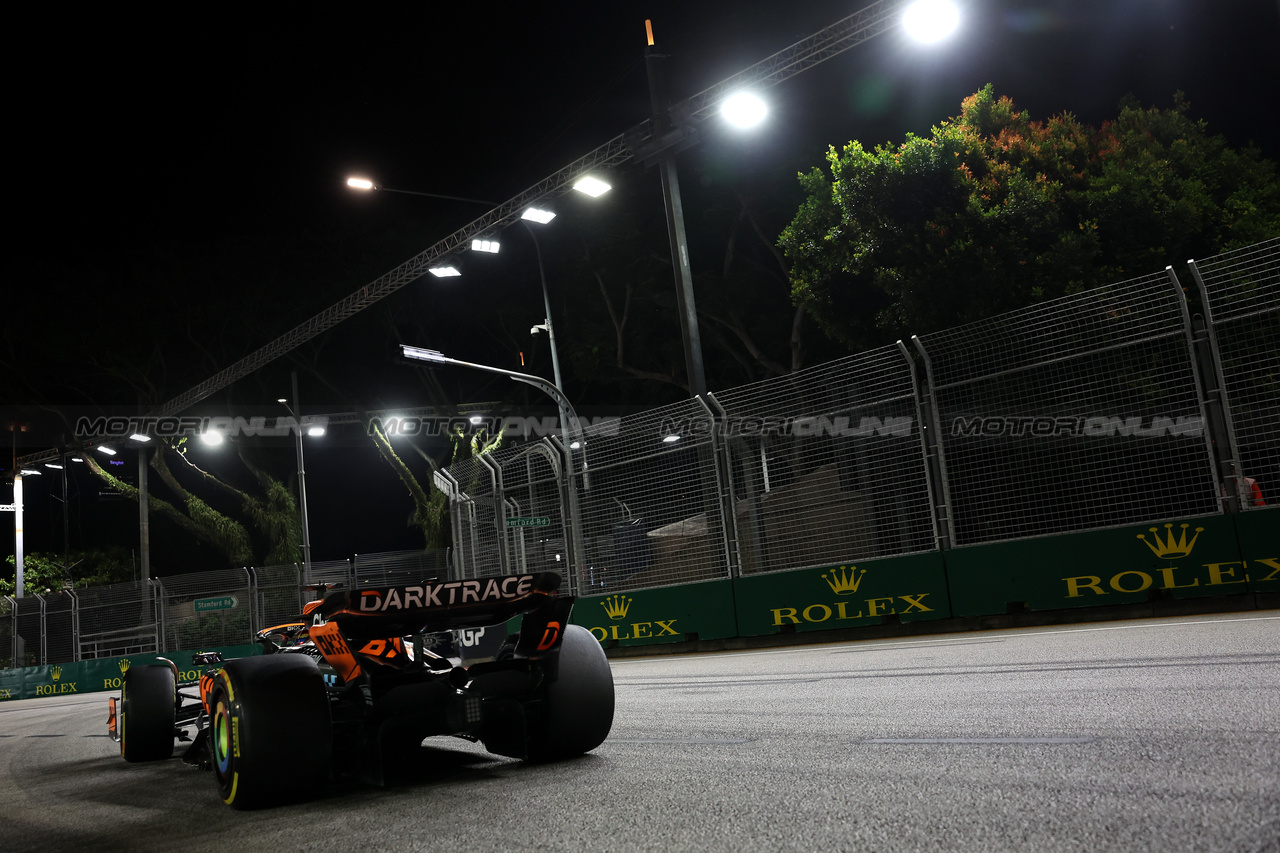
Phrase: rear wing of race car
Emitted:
{"points": [[430, 606]]}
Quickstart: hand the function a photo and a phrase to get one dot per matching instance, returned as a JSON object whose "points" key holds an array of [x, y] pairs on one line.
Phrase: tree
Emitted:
{"points": [[994, 211], [48, 572]]}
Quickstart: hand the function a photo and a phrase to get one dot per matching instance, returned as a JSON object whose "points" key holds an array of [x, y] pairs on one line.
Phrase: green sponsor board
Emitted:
{"points": [[868, 592], [1179, 558], [1259, 534], [92, 676], [701, 611]]}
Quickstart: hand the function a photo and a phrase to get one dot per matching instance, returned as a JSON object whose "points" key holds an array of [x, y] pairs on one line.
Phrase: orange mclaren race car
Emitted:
{"points": [[351, 684]]}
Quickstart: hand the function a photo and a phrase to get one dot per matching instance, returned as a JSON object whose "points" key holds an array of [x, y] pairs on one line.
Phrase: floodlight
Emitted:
{"points": [[360, 183], [542, 217], [593, 187], [490, 246], [744, 109], [930, 21], [446, 271]]}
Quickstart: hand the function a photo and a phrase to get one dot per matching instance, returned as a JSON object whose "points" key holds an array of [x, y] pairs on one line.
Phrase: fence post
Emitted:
{"points": [[1219, 429], [15, 639], [935, 456], [499, 512], [75, 625], [724, 483]]}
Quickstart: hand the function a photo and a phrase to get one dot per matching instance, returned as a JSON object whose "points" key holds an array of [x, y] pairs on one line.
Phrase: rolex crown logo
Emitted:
{"points": [[1171, 548], [616, 606], [124, 665], [844, 580], [56, 672]]}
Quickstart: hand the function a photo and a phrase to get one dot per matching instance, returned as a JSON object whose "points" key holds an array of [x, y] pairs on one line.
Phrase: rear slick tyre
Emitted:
{"points": [[147, 713], [579, 703], [270, 735]]}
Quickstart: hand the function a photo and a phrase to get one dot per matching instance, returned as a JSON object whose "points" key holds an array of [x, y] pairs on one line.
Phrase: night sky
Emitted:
{"points": [[131, 130]]}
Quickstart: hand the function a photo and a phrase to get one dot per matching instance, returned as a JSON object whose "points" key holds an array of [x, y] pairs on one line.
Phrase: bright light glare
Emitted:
{"points": [[490, 246], [930, 21], [744, 109], [670, 439], [32, 472], [444, 272], [137, 436], [213, 439], [55, 466], [107, 450], [360, 183], [593, 187], [542, 217], [315, 431]]}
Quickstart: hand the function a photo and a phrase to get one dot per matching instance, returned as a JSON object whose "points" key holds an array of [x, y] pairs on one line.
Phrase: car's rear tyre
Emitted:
{"points": [[270, 734], [578, 704], [146, 713]]}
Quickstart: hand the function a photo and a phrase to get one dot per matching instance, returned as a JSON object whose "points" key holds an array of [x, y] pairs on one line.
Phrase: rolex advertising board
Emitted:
{"points": [[90, 676], [868, 592], [699, 611], [1177, 558]]}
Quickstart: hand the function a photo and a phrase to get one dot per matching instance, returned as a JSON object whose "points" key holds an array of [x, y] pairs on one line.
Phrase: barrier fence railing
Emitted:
{"points": [[1109, 407], [1085, 412]]}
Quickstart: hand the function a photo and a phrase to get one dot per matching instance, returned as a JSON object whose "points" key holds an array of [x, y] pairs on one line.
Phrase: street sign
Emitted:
{"points": [[221, 602], [532, 521]]}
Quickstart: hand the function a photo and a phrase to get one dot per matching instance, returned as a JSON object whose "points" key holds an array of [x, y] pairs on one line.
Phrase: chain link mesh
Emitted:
{"points": [[827, 464], [279, 594], [117, 619], [1079, 413], [1243, 294], [191, 621], [395, 567], [532, 493], [649, 501]]}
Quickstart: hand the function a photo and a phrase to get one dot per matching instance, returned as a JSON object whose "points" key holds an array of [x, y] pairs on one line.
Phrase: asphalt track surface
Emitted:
{"points": [[1147, 735]]}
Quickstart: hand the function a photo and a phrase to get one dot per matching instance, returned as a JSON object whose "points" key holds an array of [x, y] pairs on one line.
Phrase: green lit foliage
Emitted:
{"points": [[43, 572], [993, 211]]}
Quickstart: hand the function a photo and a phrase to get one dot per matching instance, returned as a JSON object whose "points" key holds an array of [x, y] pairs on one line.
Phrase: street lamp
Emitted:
{"points": [[571, 427], [589, 184], [926, 21], [302, 478]]}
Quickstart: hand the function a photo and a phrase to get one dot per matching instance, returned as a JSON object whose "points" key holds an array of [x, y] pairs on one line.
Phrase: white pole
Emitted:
{"points": [[17, 532]]}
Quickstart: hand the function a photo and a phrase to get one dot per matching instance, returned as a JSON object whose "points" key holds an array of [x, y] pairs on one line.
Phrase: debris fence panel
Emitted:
{"points": [[1242, 290], [535, 520], [480, 551], [827, 465], [1077, 414], [650, 507], [279, 594], [398, 567], [206, 609], [117, 619]]}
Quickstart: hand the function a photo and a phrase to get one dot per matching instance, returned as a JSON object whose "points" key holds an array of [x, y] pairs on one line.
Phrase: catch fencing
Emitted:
{"points": [[182, 612], [1115, 406]]}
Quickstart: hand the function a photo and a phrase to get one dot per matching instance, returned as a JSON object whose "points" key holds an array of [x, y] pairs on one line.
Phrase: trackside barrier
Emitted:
{"points": [[1114, 446], [91, 676]]}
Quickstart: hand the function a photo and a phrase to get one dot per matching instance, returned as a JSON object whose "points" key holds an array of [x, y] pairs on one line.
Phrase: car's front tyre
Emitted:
{"points": [[147, 713]]}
